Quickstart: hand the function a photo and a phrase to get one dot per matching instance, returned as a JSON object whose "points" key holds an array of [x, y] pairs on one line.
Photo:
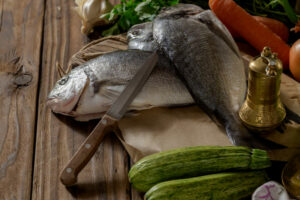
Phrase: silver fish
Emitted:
{"points": [[209, 62], [88, 90]]}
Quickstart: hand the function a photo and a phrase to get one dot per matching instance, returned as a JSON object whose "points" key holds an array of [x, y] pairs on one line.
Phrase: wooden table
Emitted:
{"points": [[35, 144]]}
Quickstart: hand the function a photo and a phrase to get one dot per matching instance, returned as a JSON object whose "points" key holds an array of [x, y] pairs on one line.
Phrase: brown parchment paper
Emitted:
{"points": [[160, 129]]}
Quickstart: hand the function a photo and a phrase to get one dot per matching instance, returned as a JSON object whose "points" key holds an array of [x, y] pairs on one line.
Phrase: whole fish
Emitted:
{"points": [[89, 90], [209, 62]]}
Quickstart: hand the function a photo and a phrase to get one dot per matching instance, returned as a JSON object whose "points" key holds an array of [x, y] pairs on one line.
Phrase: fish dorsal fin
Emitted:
{"points": [[216, 26]]}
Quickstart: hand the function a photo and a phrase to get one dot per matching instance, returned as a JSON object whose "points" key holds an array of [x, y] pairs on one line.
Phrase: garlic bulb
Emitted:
{"points": [[90, 12]]}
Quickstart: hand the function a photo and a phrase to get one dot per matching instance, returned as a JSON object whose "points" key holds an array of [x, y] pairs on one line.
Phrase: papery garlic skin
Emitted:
{"points": [[90, 12]]}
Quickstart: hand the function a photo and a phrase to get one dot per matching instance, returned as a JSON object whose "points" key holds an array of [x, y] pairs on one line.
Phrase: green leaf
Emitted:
{"points": [[114, 30], [113, 15], [146, 10], [289, 11], [133, 12]]}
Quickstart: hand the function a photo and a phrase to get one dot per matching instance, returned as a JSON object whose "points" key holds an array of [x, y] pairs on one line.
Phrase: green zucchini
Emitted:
{"points": [[222, 186], [194, 161]]}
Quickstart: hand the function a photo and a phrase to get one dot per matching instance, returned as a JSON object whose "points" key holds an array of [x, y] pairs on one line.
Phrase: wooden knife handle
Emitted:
{"points": [[86, 151]]}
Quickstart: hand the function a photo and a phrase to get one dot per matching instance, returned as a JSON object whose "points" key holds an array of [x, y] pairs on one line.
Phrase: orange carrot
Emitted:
{"points": [[254, 32], [276, 26]]}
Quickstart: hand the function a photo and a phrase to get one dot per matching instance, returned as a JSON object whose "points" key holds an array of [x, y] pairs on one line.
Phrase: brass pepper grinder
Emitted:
{"points": [[263, 110]]}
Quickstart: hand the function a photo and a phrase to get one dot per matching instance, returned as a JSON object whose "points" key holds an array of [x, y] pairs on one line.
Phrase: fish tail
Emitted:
{"points": [[291, 116], [239, 135]]}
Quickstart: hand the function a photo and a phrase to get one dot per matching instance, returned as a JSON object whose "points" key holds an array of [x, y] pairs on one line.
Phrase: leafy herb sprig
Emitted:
{"points": [[131, 12], [277, 9]]}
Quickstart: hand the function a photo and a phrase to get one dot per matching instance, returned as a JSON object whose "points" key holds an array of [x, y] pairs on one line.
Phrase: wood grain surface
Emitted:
{"points": [[20, 38], [58, 137], [36, 144]]}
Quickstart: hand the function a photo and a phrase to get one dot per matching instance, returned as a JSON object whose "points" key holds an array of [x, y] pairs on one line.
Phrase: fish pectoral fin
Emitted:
{"points": [[110, 93], [111, 89], [216, 26]]}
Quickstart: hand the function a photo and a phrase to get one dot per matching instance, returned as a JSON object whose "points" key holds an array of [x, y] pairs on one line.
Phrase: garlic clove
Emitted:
{"points": [[90, 12]]}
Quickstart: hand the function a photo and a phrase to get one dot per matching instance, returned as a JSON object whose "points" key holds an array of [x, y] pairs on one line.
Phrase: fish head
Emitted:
{"points": [[67, 91], [140, 31], [140, 37]]}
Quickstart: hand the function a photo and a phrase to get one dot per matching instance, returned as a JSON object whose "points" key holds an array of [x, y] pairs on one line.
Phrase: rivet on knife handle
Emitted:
{"points": [[69, 174]]}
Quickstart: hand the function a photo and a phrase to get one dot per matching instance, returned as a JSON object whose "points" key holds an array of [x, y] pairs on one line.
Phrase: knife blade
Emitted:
{"points": [[107, 123]]}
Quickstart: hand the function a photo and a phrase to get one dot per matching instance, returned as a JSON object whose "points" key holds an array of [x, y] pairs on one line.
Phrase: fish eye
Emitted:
{"points": [[135, 32], [64, 80]]}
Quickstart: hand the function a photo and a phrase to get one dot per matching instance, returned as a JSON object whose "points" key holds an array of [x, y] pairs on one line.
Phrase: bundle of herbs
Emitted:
{"points": [[131, 12]]}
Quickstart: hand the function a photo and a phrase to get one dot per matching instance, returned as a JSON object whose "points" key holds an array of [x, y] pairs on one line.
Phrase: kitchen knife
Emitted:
{"points": [[108, 122]]}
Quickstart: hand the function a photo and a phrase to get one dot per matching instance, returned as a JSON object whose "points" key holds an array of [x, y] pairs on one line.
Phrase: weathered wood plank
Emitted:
{"points": [[135, 195], [58, 137], [1, 12], [20, 38]]}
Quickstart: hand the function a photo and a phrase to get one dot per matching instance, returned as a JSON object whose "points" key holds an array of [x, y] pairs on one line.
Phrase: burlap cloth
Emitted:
{"points": [[161, 129]]}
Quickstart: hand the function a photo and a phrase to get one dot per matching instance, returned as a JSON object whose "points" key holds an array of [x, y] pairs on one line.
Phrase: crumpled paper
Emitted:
{"points": [[161, 129]]}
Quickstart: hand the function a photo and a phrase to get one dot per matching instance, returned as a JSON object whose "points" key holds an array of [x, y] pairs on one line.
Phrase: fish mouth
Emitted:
{"points": [[66, 107], [57, 107]]}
